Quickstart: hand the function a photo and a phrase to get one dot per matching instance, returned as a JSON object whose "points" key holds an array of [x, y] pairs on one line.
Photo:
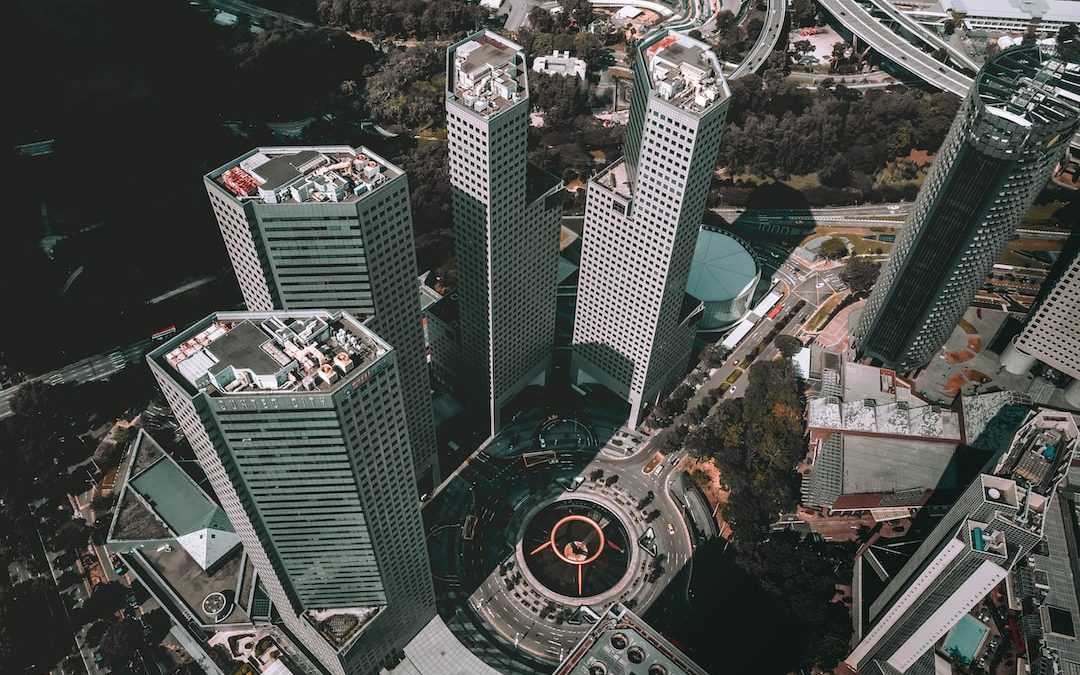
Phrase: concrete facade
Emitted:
{"points": [[1010, 132], [1052, 333], [634, 323], [994, 524], [506, 223]]}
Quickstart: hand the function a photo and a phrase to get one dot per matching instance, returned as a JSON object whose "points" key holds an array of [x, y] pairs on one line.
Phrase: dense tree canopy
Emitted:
{"points": [[408, 88], [860, 274], [776, 126], [403, 18]]}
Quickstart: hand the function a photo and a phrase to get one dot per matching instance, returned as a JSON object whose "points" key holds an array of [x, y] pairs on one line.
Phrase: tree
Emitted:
{"points": [[833, 248], [408, 89], [120, 643], [803, 46], [72, 535], [788, 345], [836, 172], [803, 13], [860, 274], [1069, 37], [106, 600]]}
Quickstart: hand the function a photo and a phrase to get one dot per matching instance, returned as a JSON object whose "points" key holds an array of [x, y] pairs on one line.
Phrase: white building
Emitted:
{"points": [[1043, 17], [634, 326], [560, 63], [506, 222], [1052, 333]]}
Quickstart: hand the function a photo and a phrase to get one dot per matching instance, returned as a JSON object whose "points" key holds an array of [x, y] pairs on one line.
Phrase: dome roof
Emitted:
{"points": [[723, 267]]}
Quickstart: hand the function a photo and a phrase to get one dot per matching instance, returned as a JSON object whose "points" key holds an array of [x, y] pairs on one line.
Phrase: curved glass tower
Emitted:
{"points": [[1012, 128]]}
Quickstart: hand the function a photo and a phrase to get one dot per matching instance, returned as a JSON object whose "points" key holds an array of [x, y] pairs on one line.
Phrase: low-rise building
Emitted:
{"points": [[1043, 17], [621, 643], [560, 63]]}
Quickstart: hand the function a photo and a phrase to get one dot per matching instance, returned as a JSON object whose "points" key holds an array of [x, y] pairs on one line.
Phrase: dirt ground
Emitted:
{"points": [[711, 487]]}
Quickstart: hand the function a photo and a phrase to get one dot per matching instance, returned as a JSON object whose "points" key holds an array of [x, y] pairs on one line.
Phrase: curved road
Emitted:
{"points": [[884, 41], [917, 29], [771, 32]]}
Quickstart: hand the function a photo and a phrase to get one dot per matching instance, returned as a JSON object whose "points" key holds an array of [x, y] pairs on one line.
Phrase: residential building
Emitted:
{"points": [[994, 525], [1010, 132], [506, 223], [621, 643], [330, 227], [634, 322], [1052, 333], [298, 420]]}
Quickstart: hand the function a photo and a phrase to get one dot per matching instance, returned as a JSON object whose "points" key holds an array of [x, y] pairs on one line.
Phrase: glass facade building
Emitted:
{"points": [[1011, 130]]}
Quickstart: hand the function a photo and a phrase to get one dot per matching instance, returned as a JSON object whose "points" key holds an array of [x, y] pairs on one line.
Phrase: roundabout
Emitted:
{"points": [[528, 540], [576, 551]]}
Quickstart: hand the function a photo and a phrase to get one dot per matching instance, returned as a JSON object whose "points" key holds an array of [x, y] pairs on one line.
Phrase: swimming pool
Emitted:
{"points": [[966, 638]]}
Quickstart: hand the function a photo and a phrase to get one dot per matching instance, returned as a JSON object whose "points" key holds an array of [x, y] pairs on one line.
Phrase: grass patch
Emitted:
{"points": [[735, 374], [824, 313], [1042, 215]]}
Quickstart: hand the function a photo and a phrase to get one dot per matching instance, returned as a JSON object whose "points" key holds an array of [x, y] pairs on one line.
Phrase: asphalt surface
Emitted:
{"points": [[97, 367], [476, 517]]}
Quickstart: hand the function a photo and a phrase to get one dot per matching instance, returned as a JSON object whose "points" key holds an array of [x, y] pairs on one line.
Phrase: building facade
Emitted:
{"points": [[298, 420], [1011, 130], [1052, 333], [634, 323], [506, 222], [330, 227], [995, 523]]}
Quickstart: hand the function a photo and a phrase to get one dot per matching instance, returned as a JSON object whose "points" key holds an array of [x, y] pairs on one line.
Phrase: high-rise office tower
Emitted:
{"points": [[330, 227], [1052, 333], [633, 327], [298, 420], [1011, 130], [996, 522], [506, 222]]}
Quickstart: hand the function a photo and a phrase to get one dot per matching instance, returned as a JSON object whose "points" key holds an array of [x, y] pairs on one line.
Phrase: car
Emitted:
{"points": [[731, 388], [120, 569], [670, 528], [735, 362], [98, 658]]}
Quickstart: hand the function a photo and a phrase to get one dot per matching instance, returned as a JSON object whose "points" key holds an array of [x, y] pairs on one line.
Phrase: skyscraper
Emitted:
{"points": [[330, 227], [298, 420], [506, 222], [633, 327], [1011, 130], [996, 522], [1052, 333]]}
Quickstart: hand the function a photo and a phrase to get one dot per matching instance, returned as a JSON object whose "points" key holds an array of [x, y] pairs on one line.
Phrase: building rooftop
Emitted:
{"points": [[560, 63], [615, 178], [723, 266], [486, 73], [1040, 453], [1029, 87], [267, 353], [295, 175], [621, 643], [685, 72], [159, 501], [1047, 10]]}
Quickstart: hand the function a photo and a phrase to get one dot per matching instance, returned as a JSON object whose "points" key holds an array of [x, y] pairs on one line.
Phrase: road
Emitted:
{"points": [[771, 32], [883, 215], [886, 42], [97, 367], [495, 487], [263, 17], [921, 32]]}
